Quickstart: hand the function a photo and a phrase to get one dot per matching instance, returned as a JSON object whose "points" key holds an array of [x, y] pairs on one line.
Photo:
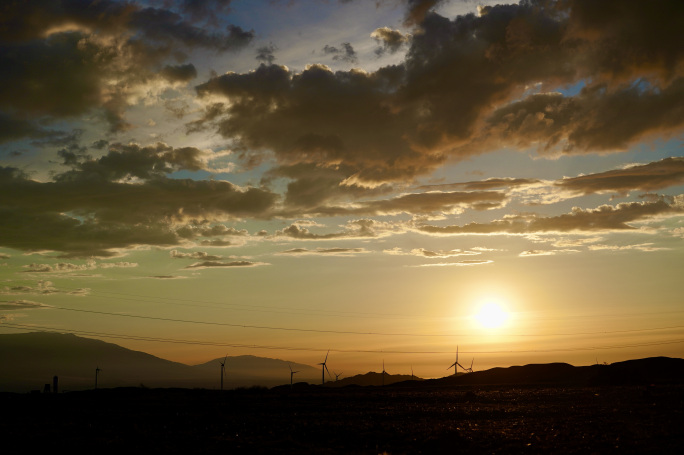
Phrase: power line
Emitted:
{"points": [[310, 349], [352, 332]]}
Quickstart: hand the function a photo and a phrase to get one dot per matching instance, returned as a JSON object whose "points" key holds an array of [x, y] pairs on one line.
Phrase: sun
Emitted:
{"points": [[491, 315]]}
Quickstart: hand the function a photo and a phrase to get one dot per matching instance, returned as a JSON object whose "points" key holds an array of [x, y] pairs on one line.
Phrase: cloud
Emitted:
{"points": [[483, 185], [418, 9], [21, 305], [603, 218], [66, 267], [105, 52], [422, 252], [428, 203], [325, 251], [42, 287], [179, 73], [168, 277], [265, 53], [463, 89], [455, 264], [216, 264], [596, 119], [360, 228], [201, 255], [344, 53], [642, 177], [390, 40], [88, 212], [533, 253], [646, 247]]}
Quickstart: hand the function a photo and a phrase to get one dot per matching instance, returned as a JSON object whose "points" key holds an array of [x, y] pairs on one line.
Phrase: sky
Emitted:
{"points": [[386, 180]]}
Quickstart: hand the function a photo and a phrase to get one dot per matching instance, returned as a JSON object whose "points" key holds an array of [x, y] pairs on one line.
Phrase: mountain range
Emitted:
{"points": [[31, 360]]}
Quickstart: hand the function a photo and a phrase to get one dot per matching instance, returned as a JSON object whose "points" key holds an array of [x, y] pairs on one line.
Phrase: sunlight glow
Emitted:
{"points": [[492, 315]]}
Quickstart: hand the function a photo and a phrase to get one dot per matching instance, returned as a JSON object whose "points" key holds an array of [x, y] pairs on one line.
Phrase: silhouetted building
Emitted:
{"points": [[46, 388]]}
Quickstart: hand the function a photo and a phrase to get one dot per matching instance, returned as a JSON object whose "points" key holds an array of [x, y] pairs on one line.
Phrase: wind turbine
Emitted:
{"points": [[223, 369], [470, 370], [292, 373], [97, 372], [324, 368], [455, 365], [337, 376], [383, 371], [412, 376]]}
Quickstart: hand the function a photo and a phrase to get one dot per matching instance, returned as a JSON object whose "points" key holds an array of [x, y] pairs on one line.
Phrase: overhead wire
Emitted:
{"points": [[352, 332], [312, 349]]}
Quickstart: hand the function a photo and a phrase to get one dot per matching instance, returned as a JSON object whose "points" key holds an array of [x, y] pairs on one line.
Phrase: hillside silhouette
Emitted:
{"points": [[30, 360]]}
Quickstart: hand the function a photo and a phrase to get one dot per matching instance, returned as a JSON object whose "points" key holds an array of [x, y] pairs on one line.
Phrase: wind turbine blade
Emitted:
{"points": [[326, 356]]}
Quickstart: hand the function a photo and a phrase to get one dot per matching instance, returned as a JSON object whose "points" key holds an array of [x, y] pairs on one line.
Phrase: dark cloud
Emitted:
{"points": [[594, 120], [265, 53], [13, 128], [603, 218], [641, 177], [344, 53], [418, 9], [390, 40], [126, 161], [179, 73], [205, 9], [464, 89], [482, 185], [20, 305], [85, 212], [65, 58]]}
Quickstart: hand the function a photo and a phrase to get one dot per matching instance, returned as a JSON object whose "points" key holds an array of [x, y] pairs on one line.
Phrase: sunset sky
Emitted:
{"points": [[286, 177]]}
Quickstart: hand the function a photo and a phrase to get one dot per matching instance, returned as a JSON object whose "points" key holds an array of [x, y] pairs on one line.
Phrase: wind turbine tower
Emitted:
{"points": [[97, 373], [455, 365], [324, 368], [292, 373]]}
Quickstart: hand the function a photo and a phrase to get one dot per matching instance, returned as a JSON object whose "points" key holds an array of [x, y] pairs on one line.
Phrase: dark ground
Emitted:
{"points": [[356, 420]]}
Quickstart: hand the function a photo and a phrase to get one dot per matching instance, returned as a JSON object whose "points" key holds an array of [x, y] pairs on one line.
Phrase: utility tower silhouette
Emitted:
{"points": [[383, 371], [324, 368], [223, 369], [97, 373]]}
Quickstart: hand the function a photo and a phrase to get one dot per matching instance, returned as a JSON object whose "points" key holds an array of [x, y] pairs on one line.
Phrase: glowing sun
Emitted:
{"points": [[491, 315]]}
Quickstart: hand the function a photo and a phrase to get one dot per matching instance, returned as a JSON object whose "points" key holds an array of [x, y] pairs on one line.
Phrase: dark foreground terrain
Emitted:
{"points": [[363, 420]]}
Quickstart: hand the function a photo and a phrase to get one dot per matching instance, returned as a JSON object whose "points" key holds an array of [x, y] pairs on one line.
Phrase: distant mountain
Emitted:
{"points": [[372, 379], [30, 360]]}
